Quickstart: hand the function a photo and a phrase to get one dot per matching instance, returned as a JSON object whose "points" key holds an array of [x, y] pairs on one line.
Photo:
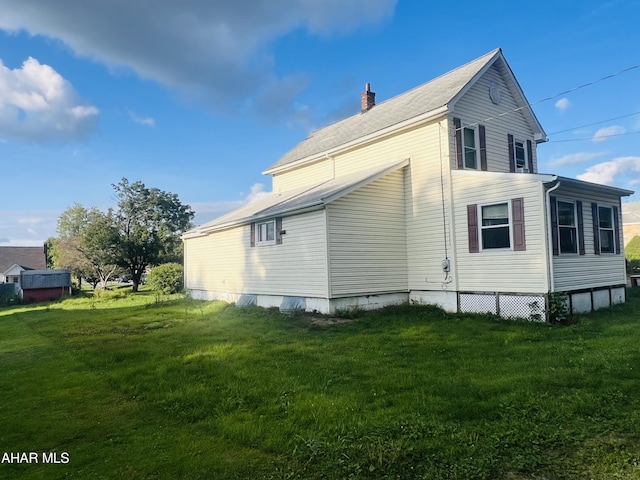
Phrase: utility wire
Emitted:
{"points": [[594, 123], [601, 79]]}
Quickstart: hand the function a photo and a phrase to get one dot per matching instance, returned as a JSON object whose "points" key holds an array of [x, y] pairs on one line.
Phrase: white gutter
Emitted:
{"points": [[550, 236]]}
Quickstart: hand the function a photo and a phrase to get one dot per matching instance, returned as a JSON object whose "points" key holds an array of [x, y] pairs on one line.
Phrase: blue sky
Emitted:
{"points": [[198, 98]]}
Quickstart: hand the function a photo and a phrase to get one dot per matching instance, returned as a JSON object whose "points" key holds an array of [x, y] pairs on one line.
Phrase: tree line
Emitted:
{"points": [[143, 230]]}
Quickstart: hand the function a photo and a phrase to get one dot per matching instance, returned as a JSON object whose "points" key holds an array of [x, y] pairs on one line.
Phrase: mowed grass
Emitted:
{"points": [[133, 386]]}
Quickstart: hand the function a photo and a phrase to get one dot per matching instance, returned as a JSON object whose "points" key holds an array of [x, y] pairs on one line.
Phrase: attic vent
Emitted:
{"points": [[367, 98]]}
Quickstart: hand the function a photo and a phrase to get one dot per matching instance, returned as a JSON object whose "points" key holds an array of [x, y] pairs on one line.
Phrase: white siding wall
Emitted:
{"points": [[501, 270], [476, 106], [225, 262], [573, 271], [312, 174], [367, 239]]}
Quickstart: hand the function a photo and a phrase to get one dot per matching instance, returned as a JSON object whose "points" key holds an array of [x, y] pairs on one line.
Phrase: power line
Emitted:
{"points": [[601, 79], [599, 136], [595, 123]]}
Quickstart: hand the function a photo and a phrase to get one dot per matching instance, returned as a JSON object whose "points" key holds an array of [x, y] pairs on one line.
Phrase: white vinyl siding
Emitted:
{"points": [[309, 175], [574, 272], [367, 239], [500, 270], [476, 106], [224, 261]]}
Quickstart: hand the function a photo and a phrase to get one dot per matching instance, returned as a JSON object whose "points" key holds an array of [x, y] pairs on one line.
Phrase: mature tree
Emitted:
{"points": [[86, 244], [149, 223]]}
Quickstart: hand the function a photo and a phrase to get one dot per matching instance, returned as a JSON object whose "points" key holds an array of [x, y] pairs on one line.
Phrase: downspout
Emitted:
{"points": [[550, 236]]}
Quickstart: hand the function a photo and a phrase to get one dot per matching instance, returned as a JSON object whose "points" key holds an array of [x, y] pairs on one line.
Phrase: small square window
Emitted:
{"points": [[266, 233]]}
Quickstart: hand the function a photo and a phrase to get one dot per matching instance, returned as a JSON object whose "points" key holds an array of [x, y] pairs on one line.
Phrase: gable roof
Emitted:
{"points": [[429, 100], [298, 200], [26, 257]]}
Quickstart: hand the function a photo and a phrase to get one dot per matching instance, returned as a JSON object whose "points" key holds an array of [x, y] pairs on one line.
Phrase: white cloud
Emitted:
{"points": [[215, 51], [27, 227], [563, 104], [604, 133], [38, 105], [207, 211], [149, 121], [573, 159], [607, 172]]}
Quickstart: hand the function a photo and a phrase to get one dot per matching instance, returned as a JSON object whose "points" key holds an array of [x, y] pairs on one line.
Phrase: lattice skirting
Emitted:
{"points": [[505, 305]]}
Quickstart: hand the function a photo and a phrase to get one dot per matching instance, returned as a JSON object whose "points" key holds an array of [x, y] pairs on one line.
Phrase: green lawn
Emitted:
{"points": [[137, 387]]}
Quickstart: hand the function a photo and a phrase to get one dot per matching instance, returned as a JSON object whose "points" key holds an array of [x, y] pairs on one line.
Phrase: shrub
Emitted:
{"points": [[167, 278]]}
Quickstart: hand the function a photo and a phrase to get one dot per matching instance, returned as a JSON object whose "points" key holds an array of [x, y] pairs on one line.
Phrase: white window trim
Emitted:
{"points": [[612, 230], [265, 242], [476, 139], [482, 227], [575, 226]]}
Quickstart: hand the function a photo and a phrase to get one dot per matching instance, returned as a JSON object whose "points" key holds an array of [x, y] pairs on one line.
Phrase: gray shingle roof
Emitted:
{"points": [[421, 100], [26, 257]]}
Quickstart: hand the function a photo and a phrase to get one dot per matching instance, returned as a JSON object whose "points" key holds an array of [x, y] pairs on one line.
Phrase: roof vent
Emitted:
{"points": [[367, 98]]}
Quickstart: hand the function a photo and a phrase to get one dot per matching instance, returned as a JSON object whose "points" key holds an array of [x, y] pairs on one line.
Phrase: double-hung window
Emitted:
{"points": [[470, 147], [266, 233], [495, 226], [606, 230], [567, 227], [520, 155]]}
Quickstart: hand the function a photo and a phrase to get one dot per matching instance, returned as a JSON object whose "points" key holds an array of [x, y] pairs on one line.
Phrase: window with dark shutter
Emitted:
{"points": [[483, 147], [519, 239], [616, 228], [279, 231], [512, 153], [596, 228], [581, 249], [472, 228], [530, 155]]}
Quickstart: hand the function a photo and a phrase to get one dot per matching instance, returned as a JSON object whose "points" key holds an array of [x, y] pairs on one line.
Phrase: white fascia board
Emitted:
{"points": [[398, 127]]}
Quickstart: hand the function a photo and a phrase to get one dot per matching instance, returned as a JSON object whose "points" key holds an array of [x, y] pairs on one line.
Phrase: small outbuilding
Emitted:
{"points": [[45, 285]]}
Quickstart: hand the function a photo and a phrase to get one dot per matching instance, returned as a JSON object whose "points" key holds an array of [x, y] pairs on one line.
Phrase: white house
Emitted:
{"points": [[433, 196]]}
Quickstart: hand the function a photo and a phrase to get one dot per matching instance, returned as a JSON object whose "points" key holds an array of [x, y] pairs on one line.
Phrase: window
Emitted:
{"points": [[520, 155], [470, 150], [606, 230], [495, 226], [266, 233], [567, 227]]}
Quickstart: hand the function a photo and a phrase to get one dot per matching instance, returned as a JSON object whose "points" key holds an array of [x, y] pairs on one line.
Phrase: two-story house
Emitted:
{"points": [[433, 196]]}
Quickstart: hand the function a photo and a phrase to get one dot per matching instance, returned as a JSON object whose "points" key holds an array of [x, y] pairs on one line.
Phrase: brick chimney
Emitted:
{"points": [[367, 99]]}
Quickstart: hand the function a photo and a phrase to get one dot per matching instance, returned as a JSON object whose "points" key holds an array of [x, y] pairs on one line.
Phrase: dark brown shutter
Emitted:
{"points": [[253, 234], [483, 148], [512, 154], [519, 239], [279, 231], [530, 156], [616, 229], [555, 241], [596, 228], [581, 249], [458, 134], [472, 226]]}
